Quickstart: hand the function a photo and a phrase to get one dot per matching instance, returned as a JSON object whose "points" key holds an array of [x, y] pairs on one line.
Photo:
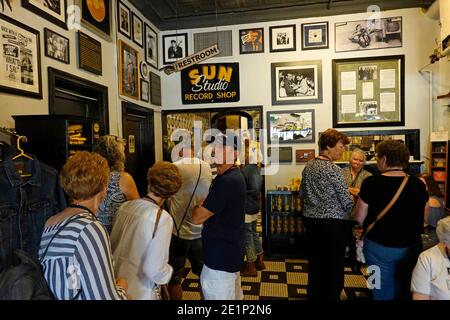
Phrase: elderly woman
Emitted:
{"points": [[327, 205], [431, 276], [141, 235], [121, 186], [75, 249], [393, 241]]}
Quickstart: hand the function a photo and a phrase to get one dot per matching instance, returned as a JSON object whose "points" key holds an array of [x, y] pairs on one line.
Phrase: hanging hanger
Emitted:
{"points": [[21, 152]]}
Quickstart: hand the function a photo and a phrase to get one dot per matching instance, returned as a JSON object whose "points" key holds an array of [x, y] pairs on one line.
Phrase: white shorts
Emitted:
{"points": [[220, 285]]}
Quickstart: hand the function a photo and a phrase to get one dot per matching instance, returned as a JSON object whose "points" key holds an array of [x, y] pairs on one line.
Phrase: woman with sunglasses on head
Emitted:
{"points": [[121, 186]]}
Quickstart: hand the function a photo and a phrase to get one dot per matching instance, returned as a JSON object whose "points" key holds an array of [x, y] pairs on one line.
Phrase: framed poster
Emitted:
{"points": [[128, 71], [291, 126], [251, 40], [151, 46], [279, 155], [138, 31], [155, 89], [314, 35], [54, 11], [296, 82], [145, 90], [90, 54], [175, 47], [56, 46], [282, 38], [304, 155], [368, 34], [369, 92], [96, 15], [124, 19], [20, 61]]}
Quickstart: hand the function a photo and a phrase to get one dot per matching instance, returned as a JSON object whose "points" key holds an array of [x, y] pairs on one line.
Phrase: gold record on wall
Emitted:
{"points": [[96, 14], [97, 9]]}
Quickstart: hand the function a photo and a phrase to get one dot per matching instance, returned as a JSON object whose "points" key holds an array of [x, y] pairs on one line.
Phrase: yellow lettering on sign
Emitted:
{"points": [[209, 72], [225, 73], [193, 75]]}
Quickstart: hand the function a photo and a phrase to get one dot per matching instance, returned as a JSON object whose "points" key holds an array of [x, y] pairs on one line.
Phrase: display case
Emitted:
{"points": [[53, 138], [439, 167], [284, 231]]}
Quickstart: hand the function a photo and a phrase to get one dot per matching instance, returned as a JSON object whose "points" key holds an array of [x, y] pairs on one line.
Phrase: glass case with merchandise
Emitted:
{"points": [[284, 232], [439, 167]]}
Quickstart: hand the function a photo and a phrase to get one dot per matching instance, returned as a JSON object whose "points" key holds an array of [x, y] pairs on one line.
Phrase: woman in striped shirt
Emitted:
{"points": [[75, 249]]}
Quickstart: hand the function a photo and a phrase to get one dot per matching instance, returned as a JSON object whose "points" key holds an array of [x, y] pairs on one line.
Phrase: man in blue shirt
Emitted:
{"points": [[223, 215]]}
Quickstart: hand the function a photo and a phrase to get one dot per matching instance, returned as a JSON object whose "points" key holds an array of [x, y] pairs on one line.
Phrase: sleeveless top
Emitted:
{"points": [[436, 213], [113, 200]]}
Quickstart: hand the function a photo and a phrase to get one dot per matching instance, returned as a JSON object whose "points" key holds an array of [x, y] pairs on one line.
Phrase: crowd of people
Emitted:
{"points": [[112, 244]]}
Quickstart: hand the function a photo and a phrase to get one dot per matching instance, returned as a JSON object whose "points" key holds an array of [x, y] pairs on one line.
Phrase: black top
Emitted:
{"points": [[223, 233], [253, 181], [402, 225]]}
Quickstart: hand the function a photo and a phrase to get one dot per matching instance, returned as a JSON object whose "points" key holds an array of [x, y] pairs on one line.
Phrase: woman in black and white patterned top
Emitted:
{"points": [[326, 208]]}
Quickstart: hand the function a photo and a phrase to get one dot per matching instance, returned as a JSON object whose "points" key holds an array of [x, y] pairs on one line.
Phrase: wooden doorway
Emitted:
{"points": [[138, 130]]}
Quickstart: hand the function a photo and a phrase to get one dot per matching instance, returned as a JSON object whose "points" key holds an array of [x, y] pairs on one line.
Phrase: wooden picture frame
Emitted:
{"points": [[251, 40], [283, 38], [56, 46], [53, 11], [315, 35], [128, 71], [291, 126], [175, 47], [124, 19], [138, 30], [369, 92]]}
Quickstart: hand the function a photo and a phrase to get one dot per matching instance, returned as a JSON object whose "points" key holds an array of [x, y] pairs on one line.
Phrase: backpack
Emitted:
{"points": [[25, 279]]}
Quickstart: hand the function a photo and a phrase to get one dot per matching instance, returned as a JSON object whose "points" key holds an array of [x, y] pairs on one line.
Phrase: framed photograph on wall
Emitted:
{"points": [[251, 40], [54, 11], [145, 90], [151, 46], [144, 70], [20, 61], [56, 46], [128, 71], [96, 15], [175, 47], [291, 126], [315, 35], [296, 82], [304, 155], [369, 92], [124, 19], [138, 31], [368, 34], [279, 155], [282, 38]]}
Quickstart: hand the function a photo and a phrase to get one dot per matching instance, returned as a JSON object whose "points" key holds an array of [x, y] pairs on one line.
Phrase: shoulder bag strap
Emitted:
{"points": [[158, 216], [389, 206]]}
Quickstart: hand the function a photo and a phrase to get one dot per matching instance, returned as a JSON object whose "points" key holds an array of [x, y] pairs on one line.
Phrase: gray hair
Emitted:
{"points": [[443, 230], [358, 150]]}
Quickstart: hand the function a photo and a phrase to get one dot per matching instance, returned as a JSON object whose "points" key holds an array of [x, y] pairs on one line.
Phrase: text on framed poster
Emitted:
{"points": [[90, 54]]}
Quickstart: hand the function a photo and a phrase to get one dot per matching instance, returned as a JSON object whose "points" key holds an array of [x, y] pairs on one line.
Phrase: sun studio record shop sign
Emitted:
{"points": [[210, 83]]}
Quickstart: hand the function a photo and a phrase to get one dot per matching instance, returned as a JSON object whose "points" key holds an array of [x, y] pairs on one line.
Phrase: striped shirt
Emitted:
{"points": [[78, 264]]}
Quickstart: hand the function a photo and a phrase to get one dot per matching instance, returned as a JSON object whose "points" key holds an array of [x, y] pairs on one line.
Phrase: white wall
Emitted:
{"points": [[255, 76], [20, 105]]}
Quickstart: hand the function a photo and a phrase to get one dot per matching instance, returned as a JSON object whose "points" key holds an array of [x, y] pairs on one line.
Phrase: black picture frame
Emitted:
{"points": [[24, 69], [60, 50], [89, 54], [296, 82], [284, 155], [291, 126], [179, 51], [56, 15], [98, 19], [369, 92], [155, 89], [315, 36], [151, 46], [124, 19], [282, 38], [145, 90], [251, 40], [137, 30]]}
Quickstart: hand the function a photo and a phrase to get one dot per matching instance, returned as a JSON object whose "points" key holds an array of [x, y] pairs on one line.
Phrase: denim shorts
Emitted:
{"points": [[180, 250]]}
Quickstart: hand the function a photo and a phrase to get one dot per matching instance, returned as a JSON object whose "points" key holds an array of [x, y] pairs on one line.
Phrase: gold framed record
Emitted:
{"points": [[96, 15], [97, 9]]}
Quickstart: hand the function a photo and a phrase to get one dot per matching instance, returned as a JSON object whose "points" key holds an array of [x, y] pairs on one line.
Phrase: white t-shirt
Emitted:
{"points": [[431, 275], [189, 169]]}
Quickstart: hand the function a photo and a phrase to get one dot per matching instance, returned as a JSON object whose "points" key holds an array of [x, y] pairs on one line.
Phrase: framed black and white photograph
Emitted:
{"points": [[369, 92], [368, 34], [145, 90], [175, 47], [282, 38], [251, 40], [54, 11], [124, 19], [96, 15], [151, 46], [144, 70], [296, 82], [56, 46], [291, 126], [20, 61], [315, 35], [138, 31]]}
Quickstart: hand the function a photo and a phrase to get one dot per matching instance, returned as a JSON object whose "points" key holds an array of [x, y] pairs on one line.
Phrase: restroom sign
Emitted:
{"points": [[210, 83]]}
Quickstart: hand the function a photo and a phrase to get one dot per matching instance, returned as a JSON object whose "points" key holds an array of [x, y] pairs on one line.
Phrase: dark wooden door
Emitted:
{"points": [[138, 131]]}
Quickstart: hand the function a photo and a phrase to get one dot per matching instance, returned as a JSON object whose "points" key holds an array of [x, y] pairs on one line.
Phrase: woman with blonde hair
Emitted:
{"points": [[121, 186], [141, 235]]}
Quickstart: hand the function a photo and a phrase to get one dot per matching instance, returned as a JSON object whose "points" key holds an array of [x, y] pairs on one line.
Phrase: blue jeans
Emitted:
{"points": [[396, 266], [252, 243]]}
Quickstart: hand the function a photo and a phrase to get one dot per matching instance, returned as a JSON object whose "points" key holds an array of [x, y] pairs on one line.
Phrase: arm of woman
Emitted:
{"points": [[128, 187], [96, 266], [361, 210]]}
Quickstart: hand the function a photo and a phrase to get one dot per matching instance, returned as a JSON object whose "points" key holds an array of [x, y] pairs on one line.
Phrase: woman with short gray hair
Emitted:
{"points": [[431, 276]]}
